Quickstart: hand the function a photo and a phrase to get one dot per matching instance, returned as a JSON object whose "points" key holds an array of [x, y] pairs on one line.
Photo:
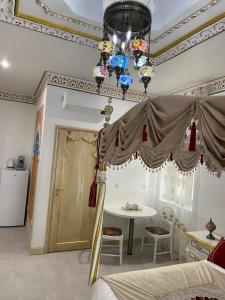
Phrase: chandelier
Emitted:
{"points": [[127, 28]]}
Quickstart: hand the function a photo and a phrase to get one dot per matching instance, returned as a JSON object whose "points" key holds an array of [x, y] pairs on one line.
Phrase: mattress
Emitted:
{"points": [[185, 281]]}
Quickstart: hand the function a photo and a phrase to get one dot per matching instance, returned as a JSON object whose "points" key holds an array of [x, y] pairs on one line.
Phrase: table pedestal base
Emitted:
{"points": [[130, 238]]}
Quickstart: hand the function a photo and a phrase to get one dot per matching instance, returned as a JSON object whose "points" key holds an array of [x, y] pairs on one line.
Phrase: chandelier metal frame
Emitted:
{"points": [[126, 24]]}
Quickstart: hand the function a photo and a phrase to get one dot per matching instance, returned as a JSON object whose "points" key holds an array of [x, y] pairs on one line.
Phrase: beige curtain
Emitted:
{"points": [[166, 119]]}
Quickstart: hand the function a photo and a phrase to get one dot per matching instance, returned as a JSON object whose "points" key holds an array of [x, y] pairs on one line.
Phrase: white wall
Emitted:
{"points": [[56, 116], [130, 184], [211, 201], [17, 121]]}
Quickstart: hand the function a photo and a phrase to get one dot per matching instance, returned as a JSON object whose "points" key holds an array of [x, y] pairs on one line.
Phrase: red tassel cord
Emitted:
{"points": [[192, 145], [117, 138], [171, 156], [145, 134]]}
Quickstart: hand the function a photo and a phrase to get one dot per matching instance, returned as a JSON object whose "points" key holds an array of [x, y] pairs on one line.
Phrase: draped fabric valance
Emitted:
{"points": [[156, 130]]}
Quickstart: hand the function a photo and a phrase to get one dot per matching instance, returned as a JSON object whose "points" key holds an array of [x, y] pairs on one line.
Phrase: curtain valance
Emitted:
{"points": [[156, 130]]}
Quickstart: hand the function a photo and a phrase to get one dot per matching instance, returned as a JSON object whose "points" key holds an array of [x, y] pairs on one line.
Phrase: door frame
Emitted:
{"points": [[53, 173]]}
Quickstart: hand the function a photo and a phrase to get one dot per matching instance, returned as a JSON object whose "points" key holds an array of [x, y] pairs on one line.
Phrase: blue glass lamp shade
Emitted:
{"points": [[125, 81], [119, 63]]}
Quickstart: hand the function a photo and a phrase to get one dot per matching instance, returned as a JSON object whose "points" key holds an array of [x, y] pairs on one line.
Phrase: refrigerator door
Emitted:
{"points": [[13, 196]]}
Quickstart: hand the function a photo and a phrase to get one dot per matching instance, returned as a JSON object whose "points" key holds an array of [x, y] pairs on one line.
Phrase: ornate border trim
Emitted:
{"points": [[16, 97], [199, 35], [64, 81], [194, 15], [186, 20], [210, 88], [86, 86], [51, 13]]}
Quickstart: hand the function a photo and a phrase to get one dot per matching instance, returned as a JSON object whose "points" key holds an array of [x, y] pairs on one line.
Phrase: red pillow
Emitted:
{"points": [[218, 254]]}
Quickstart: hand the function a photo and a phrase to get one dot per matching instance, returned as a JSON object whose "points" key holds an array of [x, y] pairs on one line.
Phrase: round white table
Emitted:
{"points": [[116, 210]]}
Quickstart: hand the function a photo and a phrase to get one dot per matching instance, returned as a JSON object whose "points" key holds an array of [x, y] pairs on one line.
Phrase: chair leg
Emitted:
{"points": [[142, 241], [121, 251], [155, 250], [171, 248]]}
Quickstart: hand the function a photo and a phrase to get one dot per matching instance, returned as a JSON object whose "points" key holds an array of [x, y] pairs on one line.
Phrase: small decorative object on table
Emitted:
{"points": [[210, 226], [131, 206]]}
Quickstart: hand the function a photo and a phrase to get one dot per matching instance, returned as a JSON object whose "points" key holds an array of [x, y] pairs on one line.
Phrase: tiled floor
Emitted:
{"points": [[56, 276]]}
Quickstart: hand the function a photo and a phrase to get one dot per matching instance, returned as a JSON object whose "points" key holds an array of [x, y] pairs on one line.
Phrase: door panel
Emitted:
{"points": [[71, 219]]}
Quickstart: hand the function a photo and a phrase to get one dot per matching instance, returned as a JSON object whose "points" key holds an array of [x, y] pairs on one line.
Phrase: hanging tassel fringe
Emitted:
{"points": [[117, 138], [192, 145], [171, 156], [145, 134]]}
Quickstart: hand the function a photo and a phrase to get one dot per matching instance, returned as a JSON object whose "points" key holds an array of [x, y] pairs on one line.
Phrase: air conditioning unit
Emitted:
{"points": [[90, 106]]}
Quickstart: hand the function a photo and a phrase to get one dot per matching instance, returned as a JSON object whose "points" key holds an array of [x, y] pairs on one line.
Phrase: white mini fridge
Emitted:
{"points": [[13, 197]]}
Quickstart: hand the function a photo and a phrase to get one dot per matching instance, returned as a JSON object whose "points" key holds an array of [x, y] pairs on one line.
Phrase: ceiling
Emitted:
{"points": [[31, 52], [164, 12]]}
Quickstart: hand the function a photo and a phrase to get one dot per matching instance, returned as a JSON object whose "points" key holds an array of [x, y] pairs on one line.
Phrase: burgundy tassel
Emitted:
{"points": [[171, 156], [145, 134], [202, 159], [192, 145], [117, 138]]}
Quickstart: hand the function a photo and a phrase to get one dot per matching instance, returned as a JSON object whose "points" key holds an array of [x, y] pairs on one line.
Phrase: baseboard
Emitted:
{"points": [[37, 251], [28, 230]]}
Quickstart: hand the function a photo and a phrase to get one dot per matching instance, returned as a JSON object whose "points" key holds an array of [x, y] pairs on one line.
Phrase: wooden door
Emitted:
{"points": [[71, 220]]}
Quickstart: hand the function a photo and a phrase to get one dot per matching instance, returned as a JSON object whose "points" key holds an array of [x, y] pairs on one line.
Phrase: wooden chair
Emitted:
{"points": [[113, 234], [163, 231]]}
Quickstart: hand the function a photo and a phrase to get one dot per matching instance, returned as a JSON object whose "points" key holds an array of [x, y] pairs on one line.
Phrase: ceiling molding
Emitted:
{"points": [[212, 87], [49, 78], [86, 86], [193, 16], [192, 39], [86, 25], [16, 97]]}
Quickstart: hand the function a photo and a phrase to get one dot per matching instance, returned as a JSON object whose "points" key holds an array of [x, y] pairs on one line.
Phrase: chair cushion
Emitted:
{"points": [[157, 230], [112, 231], [218, 254]]}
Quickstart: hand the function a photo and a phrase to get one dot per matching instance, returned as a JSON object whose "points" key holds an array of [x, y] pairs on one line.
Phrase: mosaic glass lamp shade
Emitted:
{"points": [[119, 63], [125, 81], [99, 72], [138, 47], [105, 47], [146, 73]]}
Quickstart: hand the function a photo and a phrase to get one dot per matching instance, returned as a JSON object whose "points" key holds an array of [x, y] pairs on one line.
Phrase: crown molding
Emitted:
{"points": [[210, 88], [16, 97], [186, 20], [58, 80], [192, 39], [86, 86]]}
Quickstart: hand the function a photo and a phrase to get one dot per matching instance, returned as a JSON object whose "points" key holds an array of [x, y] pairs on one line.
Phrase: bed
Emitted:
{"points": [[177, 282]]}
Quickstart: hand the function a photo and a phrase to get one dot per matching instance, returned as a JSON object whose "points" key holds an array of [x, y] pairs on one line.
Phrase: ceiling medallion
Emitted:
{"points": [[126, 26]]}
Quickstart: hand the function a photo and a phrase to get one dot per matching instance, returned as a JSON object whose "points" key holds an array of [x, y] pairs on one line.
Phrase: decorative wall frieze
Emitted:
{"points": [[7, 15], [186, 20], [209, 88], [17, 97], [91, 87], [6, 10]]}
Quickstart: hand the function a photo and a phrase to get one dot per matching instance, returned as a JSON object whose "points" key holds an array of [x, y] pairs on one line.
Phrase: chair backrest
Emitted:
{"points": [[168, 216]]}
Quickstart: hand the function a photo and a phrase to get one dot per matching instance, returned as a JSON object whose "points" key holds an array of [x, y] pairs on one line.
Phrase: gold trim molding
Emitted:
{"points": [[9, 12]]}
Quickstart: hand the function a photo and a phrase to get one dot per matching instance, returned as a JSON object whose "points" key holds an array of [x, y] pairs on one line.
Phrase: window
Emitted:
{"points": [[177, 188]]}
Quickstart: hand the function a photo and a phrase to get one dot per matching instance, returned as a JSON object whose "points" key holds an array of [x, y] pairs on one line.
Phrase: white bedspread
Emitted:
{"points": [[102, 291]]}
